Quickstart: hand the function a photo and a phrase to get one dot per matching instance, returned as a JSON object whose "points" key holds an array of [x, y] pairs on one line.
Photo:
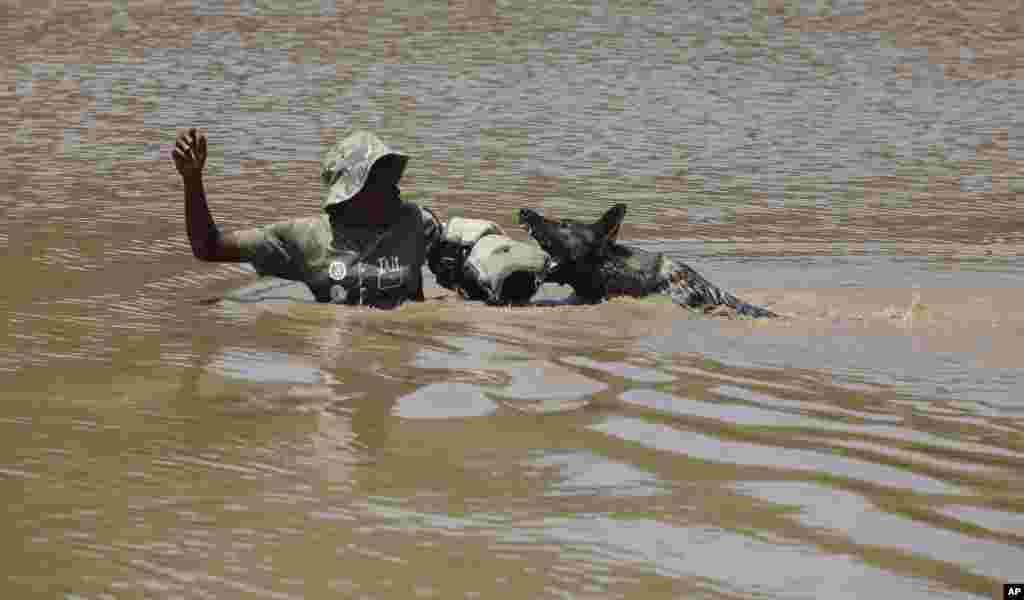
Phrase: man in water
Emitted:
{"points": [[367, 247]]}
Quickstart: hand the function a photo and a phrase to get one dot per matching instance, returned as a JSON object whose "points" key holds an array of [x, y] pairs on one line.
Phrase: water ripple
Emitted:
{"points": [[831, 509], [705, 447]]}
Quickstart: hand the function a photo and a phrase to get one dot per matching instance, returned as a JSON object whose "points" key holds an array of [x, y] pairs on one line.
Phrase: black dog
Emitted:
{"points": [[588, 258]]}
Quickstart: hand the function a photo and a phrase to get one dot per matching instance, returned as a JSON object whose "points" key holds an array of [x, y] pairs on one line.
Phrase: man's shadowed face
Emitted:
{"points": [[377, 203]]}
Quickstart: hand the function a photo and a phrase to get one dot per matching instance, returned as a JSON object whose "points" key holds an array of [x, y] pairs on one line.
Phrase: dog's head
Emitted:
{"points": [[573, 244], [569, 240]]}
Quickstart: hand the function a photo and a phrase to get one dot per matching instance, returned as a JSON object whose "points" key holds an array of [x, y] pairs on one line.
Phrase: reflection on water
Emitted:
{"points": [[263, 367], [530, 384], [553, 450], [631, 372], [585, 473], [728, 562], [705, 447], [831, 509], [761, 399], [961, 442], [736, 414], [993, 520], [444, 401]]}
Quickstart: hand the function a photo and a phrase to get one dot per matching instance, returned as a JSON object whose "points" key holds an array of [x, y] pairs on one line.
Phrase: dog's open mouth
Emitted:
{"points": [[527, 228]]}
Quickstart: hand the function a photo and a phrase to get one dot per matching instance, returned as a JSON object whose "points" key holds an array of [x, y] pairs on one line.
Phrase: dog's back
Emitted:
{"points": [[628, 271], [689, 288]]}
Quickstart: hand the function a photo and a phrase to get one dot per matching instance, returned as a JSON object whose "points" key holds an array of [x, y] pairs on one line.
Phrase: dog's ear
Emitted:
{"points": [[610, 222]]}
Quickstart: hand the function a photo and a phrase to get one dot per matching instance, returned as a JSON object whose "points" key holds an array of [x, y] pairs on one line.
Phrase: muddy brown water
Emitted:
{"points": [[164, 436]]}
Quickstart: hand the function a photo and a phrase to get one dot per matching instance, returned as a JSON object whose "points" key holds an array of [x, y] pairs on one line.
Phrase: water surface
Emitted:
{"points": [[162, 440]]}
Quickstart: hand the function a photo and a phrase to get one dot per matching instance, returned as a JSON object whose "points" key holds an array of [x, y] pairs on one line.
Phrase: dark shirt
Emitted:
{"points": [[345, 264]]}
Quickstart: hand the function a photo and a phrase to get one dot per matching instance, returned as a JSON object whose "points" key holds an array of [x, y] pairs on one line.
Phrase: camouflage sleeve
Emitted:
{"points": [[433, 231], [272, 249]]}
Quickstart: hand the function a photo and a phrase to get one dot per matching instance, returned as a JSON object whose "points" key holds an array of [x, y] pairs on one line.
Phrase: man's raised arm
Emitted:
{"points": [[208, 243]]}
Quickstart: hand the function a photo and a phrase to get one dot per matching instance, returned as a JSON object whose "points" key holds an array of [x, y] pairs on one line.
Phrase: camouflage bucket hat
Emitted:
{"points": [[346, 167]]}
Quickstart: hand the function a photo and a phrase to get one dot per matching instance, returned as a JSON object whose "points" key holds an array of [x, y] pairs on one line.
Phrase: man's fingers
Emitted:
{"points": [[190, 145]]}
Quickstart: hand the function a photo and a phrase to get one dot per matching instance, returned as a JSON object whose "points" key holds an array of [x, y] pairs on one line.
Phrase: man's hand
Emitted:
{"points": [[190, 153]]}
